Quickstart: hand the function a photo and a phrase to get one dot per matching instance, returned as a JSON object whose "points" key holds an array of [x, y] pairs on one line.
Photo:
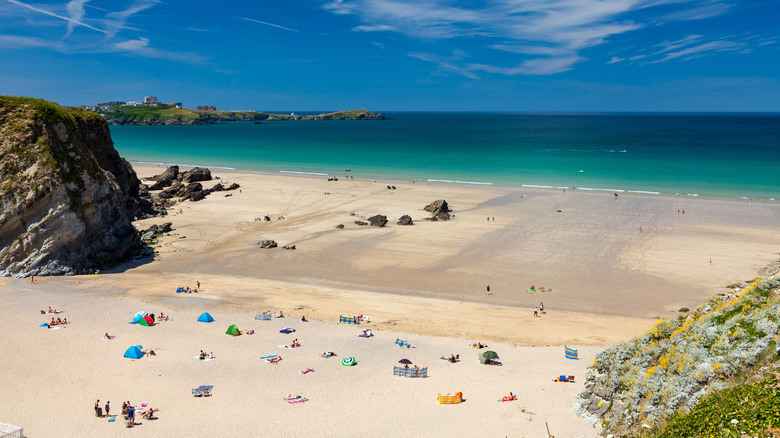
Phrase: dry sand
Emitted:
{"points": [[425, 283]]}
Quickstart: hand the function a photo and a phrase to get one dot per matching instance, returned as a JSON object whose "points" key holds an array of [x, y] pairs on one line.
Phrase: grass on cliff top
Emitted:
{"points": [[754, 405], [45, 109]]}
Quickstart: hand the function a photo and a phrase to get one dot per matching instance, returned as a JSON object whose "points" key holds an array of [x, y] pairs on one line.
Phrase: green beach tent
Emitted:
{"points": [[146, 321], [233, 330]]}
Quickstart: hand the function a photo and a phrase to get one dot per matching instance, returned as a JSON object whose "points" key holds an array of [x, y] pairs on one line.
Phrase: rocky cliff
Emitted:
{"points": [[67, 196]]}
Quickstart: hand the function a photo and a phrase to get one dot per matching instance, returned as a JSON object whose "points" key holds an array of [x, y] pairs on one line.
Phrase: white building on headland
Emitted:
{"points": [[151, 100]]}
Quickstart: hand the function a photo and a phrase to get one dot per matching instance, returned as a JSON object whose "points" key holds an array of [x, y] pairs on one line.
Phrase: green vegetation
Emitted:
{"points": [[168, 115], [754, 406]]}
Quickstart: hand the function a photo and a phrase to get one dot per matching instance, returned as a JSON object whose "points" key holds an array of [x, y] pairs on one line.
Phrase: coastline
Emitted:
{"points": [[388, 178]]}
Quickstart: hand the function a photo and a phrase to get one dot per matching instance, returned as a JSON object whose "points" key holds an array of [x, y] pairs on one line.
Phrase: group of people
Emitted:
{"points": [[203, 356], [367, 333], [58, 321], [295, 344], [538, 309], [479, 345], [128, 412]]}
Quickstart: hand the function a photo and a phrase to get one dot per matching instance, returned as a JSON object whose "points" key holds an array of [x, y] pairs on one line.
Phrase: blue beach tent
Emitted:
{"points": [[45, 324], [134, 352], [137, 318], [205, 317]]}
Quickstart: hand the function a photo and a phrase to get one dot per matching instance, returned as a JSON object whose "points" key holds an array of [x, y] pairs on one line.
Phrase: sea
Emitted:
{"points": [[733, 156]]}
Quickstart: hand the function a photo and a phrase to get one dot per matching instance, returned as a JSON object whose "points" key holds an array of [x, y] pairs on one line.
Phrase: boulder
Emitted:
{"points": [[217, 187], [165, 179], [340, 226], [171, 191], [439, 209], [233, 186], [195, 174], [378, 220], [143, 191], [189, 190], [148, 237], [266, 244], [360, 223], [405, 220]]}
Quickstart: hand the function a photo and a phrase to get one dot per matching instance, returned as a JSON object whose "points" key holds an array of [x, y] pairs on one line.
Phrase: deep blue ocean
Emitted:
{"points": [[729, 156]]}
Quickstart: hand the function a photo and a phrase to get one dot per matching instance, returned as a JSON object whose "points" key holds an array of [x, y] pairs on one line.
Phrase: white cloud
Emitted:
{"points": [[23, 42], [375, 28], [133, 45], [703, 50], [615, 60], [76, 12], [70, 20], [552, 33]]}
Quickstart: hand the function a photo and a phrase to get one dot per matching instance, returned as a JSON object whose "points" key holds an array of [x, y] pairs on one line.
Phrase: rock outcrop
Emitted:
{"points": [[378, 220], [184, 185], [67, 196], [267, 244], [405, 220], [439, 209]]}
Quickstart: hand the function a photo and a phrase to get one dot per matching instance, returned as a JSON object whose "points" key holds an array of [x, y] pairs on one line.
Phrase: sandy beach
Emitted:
{"points": [[614, 265]]}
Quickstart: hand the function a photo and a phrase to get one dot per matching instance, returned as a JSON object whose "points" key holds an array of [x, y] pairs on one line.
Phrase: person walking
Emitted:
{"points": [[488, 289], [108, 408]]}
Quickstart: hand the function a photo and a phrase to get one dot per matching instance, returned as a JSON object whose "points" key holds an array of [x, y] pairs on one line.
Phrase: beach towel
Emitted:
{"points": [[205, 359], [268, 356], [364, 336], [288, 346], [287, 330], [296, 400]]}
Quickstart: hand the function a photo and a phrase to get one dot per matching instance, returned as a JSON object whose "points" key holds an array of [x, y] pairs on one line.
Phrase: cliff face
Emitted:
{"points": [[66, 193]]}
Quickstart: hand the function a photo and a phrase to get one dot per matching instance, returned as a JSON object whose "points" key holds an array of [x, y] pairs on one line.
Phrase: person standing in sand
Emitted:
{"points": [[536, 312], [488, 290], [97, 408], [108, 408], [32, 279]]}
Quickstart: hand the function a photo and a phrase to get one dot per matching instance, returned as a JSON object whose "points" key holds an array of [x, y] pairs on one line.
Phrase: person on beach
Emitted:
{"points": [[32, 279], [124, 408], [541, 307], [108, 408], [488, 289], [536, 311], [108, 337], [97, 408], [211, 355], [198, 283]]}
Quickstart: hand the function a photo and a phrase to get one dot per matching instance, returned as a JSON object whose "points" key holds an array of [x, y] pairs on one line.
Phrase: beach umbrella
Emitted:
{"points": [[205, 317], [405, 361], [348, 361], [490, 355]]}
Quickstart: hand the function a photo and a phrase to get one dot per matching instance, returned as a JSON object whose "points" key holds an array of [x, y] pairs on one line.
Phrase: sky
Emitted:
{"points": [[398, 55]]}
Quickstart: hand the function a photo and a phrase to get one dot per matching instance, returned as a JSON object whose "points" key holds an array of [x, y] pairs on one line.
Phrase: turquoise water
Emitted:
{"points": [[707, 155]]}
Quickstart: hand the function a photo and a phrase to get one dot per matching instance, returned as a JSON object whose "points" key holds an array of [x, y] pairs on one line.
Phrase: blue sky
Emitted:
{"points": [[395, 55]]}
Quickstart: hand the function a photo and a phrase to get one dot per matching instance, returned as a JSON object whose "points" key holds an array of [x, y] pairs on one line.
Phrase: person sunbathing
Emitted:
{"points": [[202, 355], [108, 337], [275, 359], [149, 414], [65, 321], [149, 352]]}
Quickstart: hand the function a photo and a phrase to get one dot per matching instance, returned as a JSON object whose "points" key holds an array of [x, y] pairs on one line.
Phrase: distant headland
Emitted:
{"points": [[153, 112]]}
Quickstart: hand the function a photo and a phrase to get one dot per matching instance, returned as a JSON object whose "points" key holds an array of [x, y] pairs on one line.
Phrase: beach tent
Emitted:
{"points": [[137, 318], [205, 317], [146, 321], [45, 324], [348, 320], [401, 343], [233, 330], [488, 355], [134, 352], [263, 316], [570, 354]]}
